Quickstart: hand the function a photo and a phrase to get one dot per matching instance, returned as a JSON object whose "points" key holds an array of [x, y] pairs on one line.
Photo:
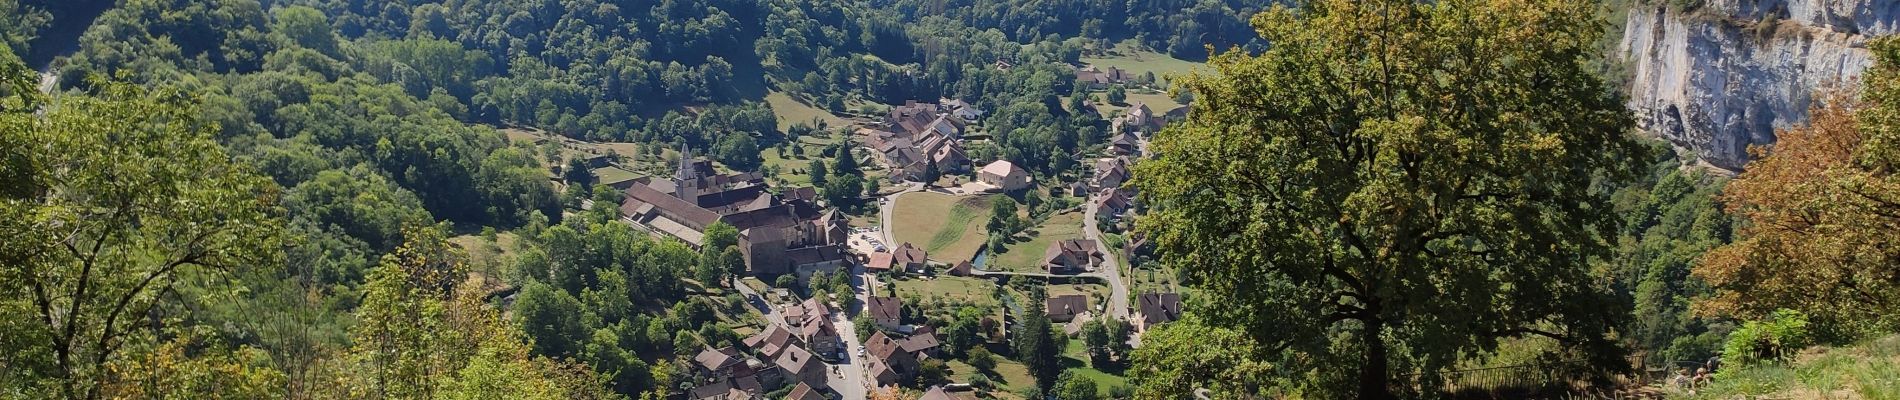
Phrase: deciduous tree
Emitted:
{"points": [[107, 201], [1396, 184], [1820, 213]]}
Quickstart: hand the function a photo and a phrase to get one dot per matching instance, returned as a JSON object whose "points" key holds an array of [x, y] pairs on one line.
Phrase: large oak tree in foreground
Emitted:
{"points": [[1396, 185]]}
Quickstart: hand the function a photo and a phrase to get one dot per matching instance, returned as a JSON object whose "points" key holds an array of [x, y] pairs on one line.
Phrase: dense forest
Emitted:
{"points": [[256, 198]]}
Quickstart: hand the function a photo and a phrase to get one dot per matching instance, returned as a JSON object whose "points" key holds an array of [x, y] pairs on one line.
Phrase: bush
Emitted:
{"points": [[1773, 340], [981, 359], [981, 382]]}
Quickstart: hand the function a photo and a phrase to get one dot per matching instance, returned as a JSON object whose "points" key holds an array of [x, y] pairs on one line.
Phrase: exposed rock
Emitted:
{"points": [[1725, 75]]}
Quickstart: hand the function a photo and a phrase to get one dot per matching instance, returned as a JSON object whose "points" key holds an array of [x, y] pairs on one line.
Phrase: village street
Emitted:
{"points": [[1111, 267], [845, 376]]}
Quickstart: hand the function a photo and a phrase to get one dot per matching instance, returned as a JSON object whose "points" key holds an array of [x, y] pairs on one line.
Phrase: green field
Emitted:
{"points": [[1094, 292], [481, 251], [1076, 358], [1009, 377], [612, 174], [792, 168], [1026, 255], [790, 111], [949, 227], [1141, 60], [631, 156], [1160, 103]]}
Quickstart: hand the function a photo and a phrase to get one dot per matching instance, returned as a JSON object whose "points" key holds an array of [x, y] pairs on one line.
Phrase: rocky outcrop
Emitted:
{"points": [[1725, 75]]}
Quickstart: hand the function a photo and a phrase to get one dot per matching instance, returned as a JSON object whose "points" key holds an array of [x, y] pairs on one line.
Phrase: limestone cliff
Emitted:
{"points": [[1724, 75]]}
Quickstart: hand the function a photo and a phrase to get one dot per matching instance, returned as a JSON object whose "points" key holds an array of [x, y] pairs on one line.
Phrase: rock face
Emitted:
{"points": [[1725, 75]]}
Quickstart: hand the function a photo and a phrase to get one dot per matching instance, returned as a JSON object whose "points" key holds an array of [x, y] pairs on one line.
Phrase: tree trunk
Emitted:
{"points": [[1374, 384]]}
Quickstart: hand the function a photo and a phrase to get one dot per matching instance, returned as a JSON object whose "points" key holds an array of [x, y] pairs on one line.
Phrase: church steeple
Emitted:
{"points": [[686, 178]]}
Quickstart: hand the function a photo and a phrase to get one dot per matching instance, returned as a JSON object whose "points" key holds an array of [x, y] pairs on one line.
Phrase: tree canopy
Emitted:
{"points": [[1393, 185], [112, 198]]}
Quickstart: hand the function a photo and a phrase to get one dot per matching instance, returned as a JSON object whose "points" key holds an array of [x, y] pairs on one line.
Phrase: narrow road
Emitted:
{"points": [[886, 207], [1111, 265], [848, 380], [845, 376], [757, 301], [49, 80]]}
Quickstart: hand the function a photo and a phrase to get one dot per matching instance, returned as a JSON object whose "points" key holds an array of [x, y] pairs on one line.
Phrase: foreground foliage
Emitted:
{"points": [[1396, 185], [1821, 209], [1865, 370], [110, 201]]}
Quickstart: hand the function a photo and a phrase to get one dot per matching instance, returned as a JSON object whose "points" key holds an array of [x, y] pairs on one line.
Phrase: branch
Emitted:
{"points": [[112, 318]]}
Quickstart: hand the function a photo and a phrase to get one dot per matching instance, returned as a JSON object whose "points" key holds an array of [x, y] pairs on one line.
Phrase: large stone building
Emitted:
{"points": [[777, 233]]}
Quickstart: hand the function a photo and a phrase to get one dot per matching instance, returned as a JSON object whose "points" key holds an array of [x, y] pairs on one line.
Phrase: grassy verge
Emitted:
{"points": [[1870, 370]]}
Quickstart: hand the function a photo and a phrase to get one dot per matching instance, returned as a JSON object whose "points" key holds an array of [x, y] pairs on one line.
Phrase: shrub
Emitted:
{"points": [[981, 382], [981, 359], [1772, 340]]}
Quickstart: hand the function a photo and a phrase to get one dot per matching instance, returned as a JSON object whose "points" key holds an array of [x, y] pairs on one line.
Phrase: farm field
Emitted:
{"points": [[1141, 60], [790, 112], [1026, 255], [949, 227]]}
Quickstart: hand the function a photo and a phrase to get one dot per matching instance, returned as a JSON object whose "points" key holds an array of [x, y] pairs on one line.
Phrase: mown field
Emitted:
{"points": [[791, 112], [1141, 60], [949, 227], [1026, 255]]}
